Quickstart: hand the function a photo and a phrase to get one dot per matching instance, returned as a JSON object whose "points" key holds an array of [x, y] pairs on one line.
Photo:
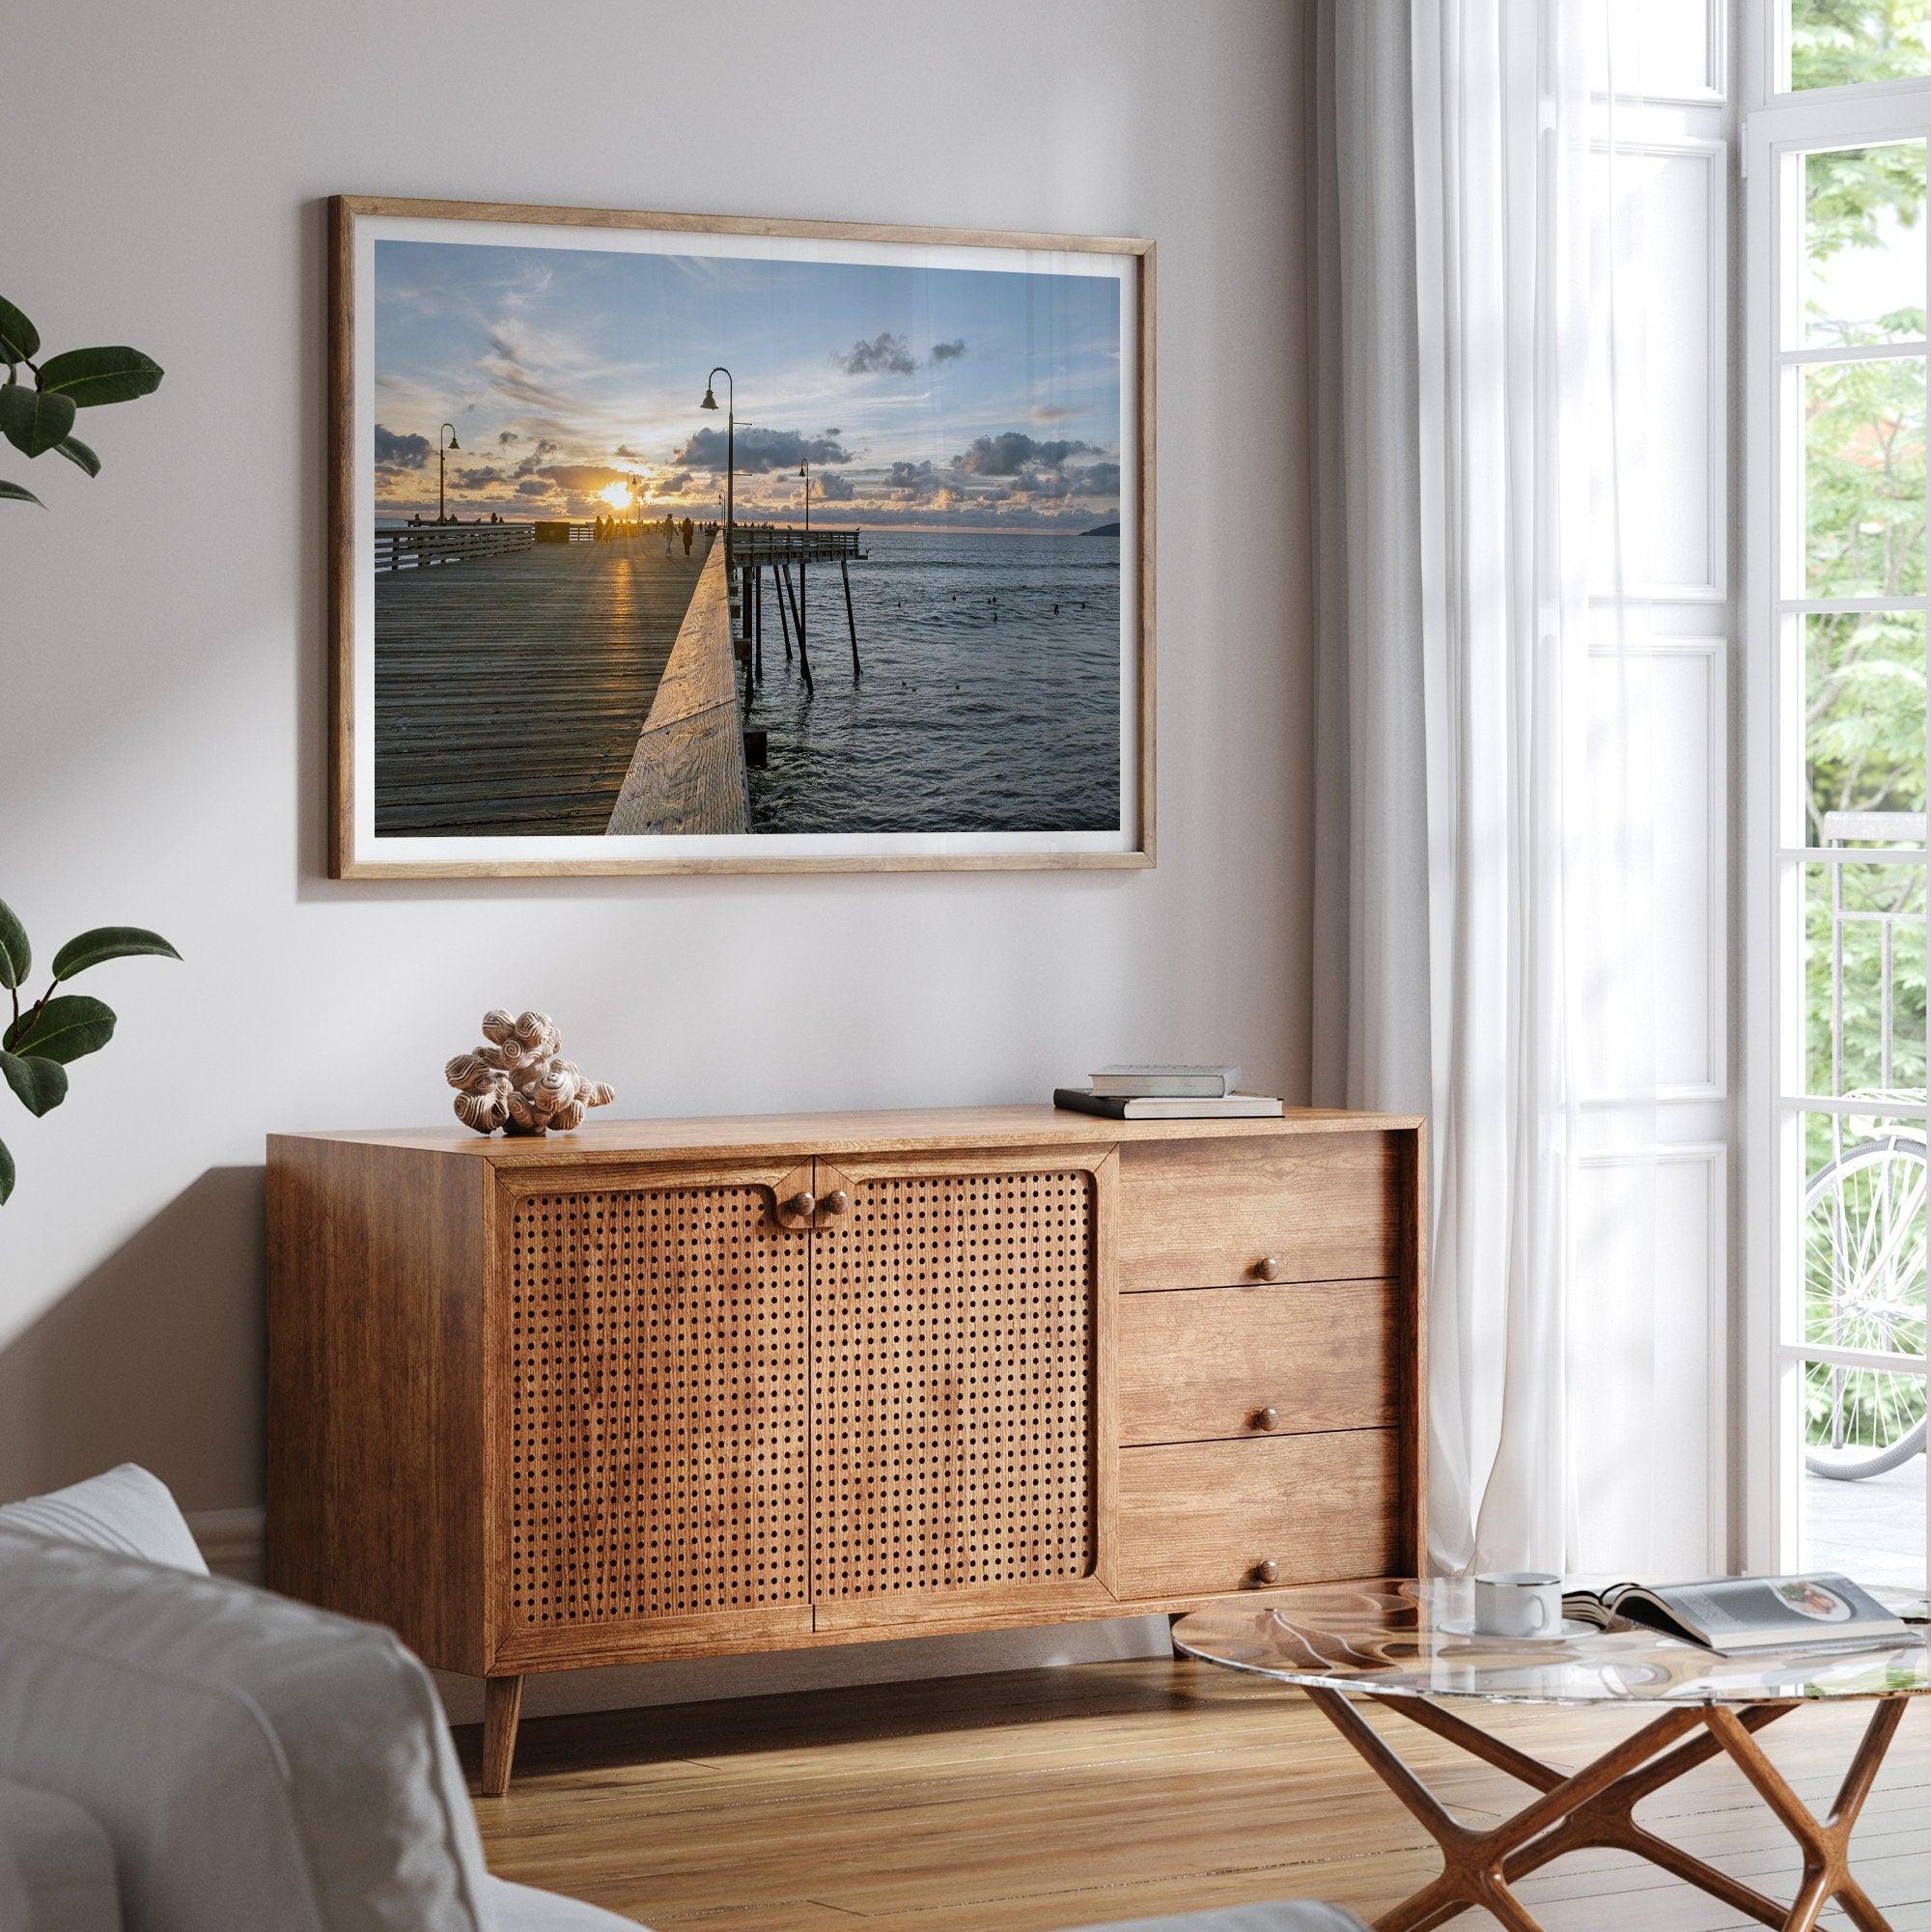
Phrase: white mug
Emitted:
{"points": [[1518, 1603]]}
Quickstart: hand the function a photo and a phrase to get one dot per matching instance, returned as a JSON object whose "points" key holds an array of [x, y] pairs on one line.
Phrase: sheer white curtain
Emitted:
{"points": [[1483, 874]]}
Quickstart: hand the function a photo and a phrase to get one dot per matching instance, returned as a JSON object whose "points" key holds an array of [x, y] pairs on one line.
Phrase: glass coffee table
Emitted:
{"points": [[1407, 1646]]}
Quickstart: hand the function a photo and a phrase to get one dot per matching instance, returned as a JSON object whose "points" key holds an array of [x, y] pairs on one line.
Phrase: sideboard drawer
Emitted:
{"points": [[1197, 1519], [1199, 1364], [1309, 1207]]}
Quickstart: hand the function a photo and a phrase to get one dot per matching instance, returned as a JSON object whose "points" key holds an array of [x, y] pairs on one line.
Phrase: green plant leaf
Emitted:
{"points": [[14, 493], [90, 377], [109, 942], [40, 1083], [63, 1029], [34, 420], [77, 452], [6, 1174], [16, 956], [19, 341]]}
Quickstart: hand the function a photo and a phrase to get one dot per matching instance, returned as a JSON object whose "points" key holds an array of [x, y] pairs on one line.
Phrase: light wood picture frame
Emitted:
{"points": [[597, 609]]}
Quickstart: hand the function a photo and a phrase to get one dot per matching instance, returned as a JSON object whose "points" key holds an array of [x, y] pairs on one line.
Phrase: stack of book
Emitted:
{"points": [[1167, 1093]]}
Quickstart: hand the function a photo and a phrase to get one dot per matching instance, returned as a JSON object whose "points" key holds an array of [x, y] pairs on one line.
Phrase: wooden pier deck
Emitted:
{"points": [[511, 690]]}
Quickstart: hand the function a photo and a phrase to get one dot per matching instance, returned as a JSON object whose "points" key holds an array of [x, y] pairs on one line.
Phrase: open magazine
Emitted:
{"points": [[1736, 1616]]}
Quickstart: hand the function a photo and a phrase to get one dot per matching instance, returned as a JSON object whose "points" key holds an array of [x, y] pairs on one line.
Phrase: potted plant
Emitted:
{"points": [[44, 1037]]}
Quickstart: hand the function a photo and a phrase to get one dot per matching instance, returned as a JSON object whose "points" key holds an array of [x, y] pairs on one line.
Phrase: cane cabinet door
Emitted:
{"points": [[657, 1406], [959, 1374]]}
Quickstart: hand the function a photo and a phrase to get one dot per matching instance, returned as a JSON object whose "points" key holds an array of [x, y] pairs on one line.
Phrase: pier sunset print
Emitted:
{"points": [[744, 549]]}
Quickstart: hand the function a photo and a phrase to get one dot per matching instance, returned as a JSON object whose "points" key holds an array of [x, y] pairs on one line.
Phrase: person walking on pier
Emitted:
{"points": [[689, 529], [670, 531]]}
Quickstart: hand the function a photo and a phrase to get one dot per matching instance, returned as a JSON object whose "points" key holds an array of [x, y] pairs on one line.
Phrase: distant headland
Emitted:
{"points": [[1102, 530]]}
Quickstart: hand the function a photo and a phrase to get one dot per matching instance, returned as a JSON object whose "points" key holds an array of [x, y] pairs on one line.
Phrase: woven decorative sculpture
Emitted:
{"points": [[519, 1079]]}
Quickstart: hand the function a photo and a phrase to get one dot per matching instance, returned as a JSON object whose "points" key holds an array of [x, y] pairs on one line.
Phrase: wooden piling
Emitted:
{"points": [[851, 622], [784, 617], [797, 622]]}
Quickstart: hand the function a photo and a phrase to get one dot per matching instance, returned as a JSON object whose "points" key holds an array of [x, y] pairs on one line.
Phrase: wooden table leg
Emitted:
{"points": [[1595, 1806], [502, 1707], [1826, 1843], [1609, 1821], [1474, 1863]]}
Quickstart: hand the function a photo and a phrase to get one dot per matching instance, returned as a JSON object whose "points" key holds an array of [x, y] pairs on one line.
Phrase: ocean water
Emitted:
{"points": [[990, 699]]}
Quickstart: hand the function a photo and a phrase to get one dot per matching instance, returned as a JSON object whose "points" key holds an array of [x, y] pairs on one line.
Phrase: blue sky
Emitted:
{"points": [[943, 397]]}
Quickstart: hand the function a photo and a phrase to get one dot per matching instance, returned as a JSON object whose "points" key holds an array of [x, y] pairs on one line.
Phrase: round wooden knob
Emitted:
{"points": [[1268, 1268], [1268, 1418], [1266, 1570], [836, 1201], [803, 1205]]}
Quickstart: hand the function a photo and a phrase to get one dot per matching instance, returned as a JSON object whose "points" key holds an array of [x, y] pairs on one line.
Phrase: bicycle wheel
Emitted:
{"points": [[1864, 1288]]}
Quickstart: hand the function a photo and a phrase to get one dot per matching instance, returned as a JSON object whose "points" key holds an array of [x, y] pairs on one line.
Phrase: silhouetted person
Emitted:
{"points": [[690, 530]]}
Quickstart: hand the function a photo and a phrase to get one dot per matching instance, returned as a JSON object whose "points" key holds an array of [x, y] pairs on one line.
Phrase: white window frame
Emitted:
{"points": [[1778, 125]]}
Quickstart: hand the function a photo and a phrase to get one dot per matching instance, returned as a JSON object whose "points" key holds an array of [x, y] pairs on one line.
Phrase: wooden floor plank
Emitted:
{"points": [[509, 690], [1046, 1799]]}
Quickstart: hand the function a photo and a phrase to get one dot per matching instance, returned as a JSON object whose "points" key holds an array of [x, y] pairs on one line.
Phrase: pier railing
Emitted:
{"points": [[448, 544], [758, 543], [687, 771]]}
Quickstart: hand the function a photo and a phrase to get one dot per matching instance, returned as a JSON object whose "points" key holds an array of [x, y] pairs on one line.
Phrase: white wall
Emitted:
{"points": [[162, 723]]}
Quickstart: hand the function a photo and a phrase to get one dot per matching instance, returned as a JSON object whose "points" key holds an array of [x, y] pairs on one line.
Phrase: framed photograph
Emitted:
{"points": [[680, 543]]}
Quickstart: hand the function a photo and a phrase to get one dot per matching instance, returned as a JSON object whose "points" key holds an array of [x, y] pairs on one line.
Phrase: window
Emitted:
{"points": [[1854, 42], [1836, 161]]}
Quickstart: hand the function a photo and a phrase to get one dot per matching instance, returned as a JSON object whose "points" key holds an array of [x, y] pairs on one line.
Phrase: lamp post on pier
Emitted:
{"points": [[803, 556], [442, 450], [730, 446]]}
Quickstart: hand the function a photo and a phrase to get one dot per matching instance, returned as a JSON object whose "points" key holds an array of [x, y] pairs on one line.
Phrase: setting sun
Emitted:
{"points": [[616, 494]]}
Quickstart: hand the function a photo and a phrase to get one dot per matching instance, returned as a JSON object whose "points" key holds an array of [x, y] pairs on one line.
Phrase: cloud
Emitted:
{"points": [[1013, 453], [1047, 412], [831, 488], [885, 353], [516, 365], [758, 451], [506, 435], [532, 488], [623, 453], [1100, 478], [530, 464], [912, 479], [397, 453], [834, 431], [580, 479], [948, 351], [479, 478]]}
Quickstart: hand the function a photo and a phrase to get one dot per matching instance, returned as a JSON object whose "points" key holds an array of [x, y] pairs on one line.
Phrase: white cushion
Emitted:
{"points": [[127, 1509], [259, 1766], [56, 1865], [518, 1908]]}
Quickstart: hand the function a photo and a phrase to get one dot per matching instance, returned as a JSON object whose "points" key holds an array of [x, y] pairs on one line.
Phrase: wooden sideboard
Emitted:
{"points": [[673, 1388]]}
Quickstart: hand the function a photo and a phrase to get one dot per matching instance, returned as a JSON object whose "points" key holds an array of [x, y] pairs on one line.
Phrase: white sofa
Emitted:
{"points": [[180, 1753]]}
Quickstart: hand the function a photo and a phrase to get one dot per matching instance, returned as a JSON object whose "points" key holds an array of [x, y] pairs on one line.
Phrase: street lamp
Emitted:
{"points": [[442, 450], [804, 558], [730, 446]]}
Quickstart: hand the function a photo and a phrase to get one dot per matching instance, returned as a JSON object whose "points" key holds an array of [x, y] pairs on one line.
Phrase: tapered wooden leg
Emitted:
{"points": [[502, 1707]]}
